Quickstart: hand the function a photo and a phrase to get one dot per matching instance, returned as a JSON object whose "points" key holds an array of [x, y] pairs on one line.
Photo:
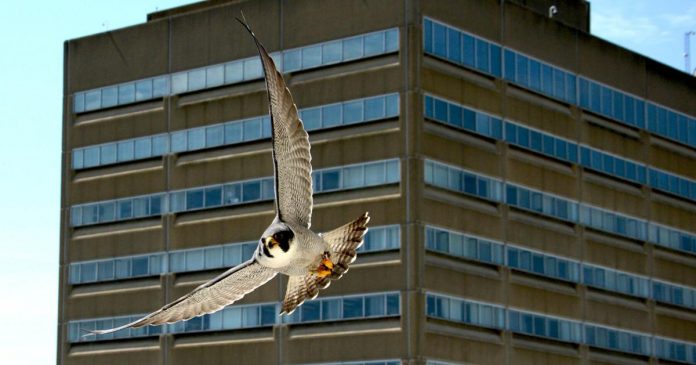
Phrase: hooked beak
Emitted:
{"points": [[271, 242]]}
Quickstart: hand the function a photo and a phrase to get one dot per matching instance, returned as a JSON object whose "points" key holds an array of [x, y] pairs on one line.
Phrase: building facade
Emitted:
{"points": [[532, 188]]}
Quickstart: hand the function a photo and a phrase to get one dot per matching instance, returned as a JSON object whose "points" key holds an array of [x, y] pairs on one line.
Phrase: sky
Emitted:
{"points": [[31, 39]]}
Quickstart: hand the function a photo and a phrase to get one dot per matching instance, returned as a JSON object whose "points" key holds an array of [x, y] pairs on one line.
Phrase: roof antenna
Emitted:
{"points": [[552, 11]]}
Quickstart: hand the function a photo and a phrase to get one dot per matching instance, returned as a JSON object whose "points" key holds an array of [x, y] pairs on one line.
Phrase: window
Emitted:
{"points": [[461, 48], [331, 52], [354, 111], [236, 71], [311, 118], [464, 311], [350, 307], [374, 44], [352, 176], [214, 136]]}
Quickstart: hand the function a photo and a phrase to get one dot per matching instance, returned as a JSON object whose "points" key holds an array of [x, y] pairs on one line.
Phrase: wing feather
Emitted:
{"points": [[210, 297], [301, 288], [291, 155], [344, 242]]}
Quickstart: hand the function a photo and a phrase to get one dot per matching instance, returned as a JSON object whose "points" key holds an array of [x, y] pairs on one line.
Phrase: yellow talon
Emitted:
{"points": [[323, 273], [326, 262], [325, 267]]}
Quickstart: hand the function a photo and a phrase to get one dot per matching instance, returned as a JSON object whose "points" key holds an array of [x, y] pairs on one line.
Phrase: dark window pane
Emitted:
{"points": [[428, 35], [251, 191], [213, 196], [482, 58], [469, 120], [352, 307], [440, 110], [468, 50], [268, 315], [330, 309], [374, 305], [454, 46], [194, 199], [440, 45], [330, 180], [140, 266], [156, 205], [310, 311], [392, 304]]}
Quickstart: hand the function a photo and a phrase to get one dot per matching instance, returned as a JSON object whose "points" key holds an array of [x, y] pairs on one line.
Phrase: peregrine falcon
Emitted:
{"points": [[287, 246]]}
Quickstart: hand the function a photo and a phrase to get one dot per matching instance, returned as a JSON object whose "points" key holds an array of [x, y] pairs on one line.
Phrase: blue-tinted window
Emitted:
{"points": [[454, 45], [311, 311], [440, 39], [374, 44], [352, 48], [194, 199], [352, 307], [251, 191], [311, 57], [352, 112], [330, 180]]}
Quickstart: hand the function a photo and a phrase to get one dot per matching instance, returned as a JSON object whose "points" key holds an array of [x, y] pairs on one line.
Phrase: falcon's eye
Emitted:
{"points": [[283, 238]]}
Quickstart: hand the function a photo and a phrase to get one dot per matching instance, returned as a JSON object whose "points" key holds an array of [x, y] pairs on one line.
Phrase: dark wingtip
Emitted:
{"points": [[244, 23], [246, 26]]}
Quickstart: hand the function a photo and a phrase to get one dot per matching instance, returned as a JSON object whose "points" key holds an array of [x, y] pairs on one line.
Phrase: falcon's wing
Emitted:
{"points": [[291, 157], [210, 297], [301, 288]]}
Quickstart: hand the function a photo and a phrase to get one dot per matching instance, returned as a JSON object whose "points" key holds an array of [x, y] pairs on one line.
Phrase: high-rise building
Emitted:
{"points": [[532, 187]]}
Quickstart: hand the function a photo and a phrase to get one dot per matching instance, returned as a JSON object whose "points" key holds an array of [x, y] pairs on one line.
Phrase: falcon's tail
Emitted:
{"points": [[344, 241]]}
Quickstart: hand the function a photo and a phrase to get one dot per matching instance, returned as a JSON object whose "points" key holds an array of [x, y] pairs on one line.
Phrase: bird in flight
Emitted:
{"points": [[287, 246]]}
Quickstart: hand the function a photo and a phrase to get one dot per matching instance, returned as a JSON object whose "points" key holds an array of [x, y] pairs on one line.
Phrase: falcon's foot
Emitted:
{"points": [[325, 267]]}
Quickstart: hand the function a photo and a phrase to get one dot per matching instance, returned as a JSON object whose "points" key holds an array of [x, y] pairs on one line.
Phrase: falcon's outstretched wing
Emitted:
{"points": [[210, 297], [291, 157]]}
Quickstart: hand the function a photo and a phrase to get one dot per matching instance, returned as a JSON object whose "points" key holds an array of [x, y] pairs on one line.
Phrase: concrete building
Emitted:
{"points": [[532, 187]]}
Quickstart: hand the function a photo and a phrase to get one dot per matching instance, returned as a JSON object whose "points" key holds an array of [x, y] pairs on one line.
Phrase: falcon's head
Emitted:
{"points": [[276, 241]]}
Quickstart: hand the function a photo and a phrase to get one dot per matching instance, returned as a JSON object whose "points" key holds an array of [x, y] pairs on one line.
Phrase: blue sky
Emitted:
{"points": [[31, 39]]}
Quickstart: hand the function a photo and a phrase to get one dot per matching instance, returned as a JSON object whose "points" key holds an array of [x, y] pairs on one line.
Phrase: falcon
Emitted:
{"points": [[288, 246]]}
